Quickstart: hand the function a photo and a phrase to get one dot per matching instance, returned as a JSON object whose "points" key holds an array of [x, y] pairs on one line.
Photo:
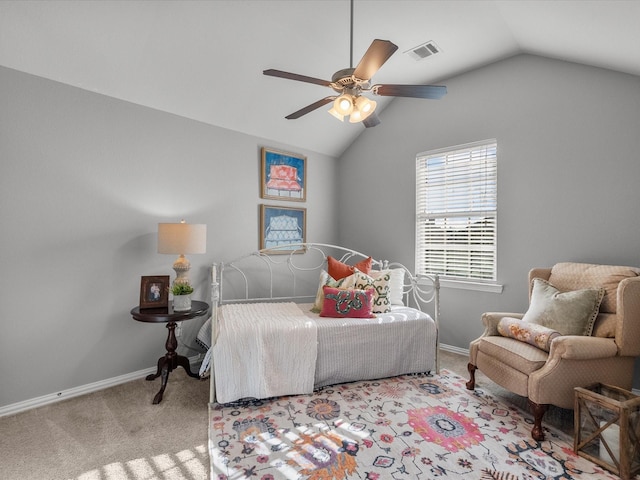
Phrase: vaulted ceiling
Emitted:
{"points": [[204, 59]]}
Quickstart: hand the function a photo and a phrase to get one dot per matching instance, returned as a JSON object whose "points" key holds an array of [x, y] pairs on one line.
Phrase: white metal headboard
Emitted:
{"points": [[422, 289], [287, 264]]}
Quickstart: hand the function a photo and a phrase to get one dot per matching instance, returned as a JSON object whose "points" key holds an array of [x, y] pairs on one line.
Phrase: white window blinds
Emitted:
{"points": [[456, 212]]}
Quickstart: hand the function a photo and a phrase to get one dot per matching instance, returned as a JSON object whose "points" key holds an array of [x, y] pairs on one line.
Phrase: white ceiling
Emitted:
{"points": [[204, 59]]}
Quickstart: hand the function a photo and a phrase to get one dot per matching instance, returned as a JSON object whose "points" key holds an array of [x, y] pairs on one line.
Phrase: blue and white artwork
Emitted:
{"points": [[282, 227]]}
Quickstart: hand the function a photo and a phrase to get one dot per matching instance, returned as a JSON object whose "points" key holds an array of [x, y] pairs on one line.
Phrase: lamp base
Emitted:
{"points": [[182, 267]]}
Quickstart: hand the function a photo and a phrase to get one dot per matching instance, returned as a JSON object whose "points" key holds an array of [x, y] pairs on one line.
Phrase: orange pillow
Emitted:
{"points": [[339, 270]]}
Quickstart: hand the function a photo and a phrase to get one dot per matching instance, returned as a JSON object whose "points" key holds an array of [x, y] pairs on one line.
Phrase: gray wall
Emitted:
{"points": [[84, 180], [568, 172]]}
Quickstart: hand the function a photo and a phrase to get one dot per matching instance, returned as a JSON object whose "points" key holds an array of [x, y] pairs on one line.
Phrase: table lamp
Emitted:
{"points": [[180, 239]]}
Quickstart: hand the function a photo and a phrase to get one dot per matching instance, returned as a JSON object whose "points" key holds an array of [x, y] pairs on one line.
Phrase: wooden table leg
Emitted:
{"points": [[165, 376], [170, 362], [153, 376], [184, 363]]}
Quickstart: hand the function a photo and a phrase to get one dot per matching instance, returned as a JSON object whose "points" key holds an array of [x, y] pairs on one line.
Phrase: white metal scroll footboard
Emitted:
{"points": [[280, 275]]}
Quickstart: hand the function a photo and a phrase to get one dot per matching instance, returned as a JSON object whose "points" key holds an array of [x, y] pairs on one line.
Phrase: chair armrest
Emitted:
{"points": [[577, 347], [628, 327], [491, 320]]}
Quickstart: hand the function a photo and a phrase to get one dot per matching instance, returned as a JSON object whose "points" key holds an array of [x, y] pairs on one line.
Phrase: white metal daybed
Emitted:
{"points": [[266, 342]]}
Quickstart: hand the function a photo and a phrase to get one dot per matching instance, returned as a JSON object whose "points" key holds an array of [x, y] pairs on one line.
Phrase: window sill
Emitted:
{"points": [[466, 285]]}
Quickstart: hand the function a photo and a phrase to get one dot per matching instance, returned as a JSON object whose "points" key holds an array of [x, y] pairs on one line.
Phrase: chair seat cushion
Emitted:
{"points": [[519, 355]]}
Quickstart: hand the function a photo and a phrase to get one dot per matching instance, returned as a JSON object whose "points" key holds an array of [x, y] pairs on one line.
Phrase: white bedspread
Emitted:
{"points": [[395, 343], [269, 349]]}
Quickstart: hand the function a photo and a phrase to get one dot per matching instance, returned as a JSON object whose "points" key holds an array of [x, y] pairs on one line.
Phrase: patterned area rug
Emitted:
{"points": [[409, 427]]}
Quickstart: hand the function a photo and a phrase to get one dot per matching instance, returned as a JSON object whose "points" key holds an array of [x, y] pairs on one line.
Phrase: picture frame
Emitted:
{"points": [[154, 291], [283, 175], [282, 226]]}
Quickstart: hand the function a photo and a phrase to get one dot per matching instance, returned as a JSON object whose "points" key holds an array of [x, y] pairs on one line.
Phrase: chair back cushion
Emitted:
{"points": [[605, 325], [569, 276]]}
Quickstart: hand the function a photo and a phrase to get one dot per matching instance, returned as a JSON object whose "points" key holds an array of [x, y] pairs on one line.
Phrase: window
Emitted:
{"points": [[456, 212]]}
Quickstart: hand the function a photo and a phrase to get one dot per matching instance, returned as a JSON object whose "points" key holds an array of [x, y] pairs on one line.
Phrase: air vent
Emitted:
{"points": [[423, 51]]}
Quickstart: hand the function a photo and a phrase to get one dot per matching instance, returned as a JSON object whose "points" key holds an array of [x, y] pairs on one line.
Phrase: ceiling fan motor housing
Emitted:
{"points": [[343, 80]]}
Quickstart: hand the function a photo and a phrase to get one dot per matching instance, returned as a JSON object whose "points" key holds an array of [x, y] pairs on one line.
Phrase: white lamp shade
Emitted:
{"points": [[182, 238], [363, 108], [343, 104], [365, 105], [335, 113]]}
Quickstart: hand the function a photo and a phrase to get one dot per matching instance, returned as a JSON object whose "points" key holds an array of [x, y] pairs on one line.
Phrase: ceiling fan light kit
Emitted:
{"points": [[350, 83], [363, 108], [357, 108]]}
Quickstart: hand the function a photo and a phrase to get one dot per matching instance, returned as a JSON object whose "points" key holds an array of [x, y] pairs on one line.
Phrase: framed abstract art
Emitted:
{"points": [[283, 176], [282, 226]]}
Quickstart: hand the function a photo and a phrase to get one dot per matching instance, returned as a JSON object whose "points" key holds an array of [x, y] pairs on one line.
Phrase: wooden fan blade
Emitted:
{"points": [[294, 76], [434, 92], [378, 52], [372, 120], [310, 108]]}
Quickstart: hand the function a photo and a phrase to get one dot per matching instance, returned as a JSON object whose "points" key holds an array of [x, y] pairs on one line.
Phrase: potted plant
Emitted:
{"points": [[181, 297]]}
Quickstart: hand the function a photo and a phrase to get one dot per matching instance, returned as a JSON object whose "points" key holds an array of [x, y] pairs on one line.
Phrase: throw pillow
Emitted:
{"points": [[570, 313], [396, 284], [527, 332], [347, 303], [381, 302], [326, 279], [339, 270]]}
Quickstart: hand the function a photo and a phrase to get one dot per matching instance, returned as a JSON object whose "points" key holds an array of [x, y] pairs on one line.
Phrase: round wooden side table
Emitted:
{"points": [[171, 359]]}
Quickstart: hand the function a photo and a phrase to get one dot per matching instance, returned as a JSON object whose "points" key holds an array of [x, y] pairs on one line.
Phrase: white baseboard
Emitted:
{"points": [[81, 390], [452, 349]]}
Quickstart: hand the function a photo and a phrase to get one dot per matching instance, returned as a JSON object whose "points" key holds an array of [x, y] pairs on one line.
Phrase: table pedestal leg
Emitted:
{"points": [[170, 362], [153, 376], [165, 376]]}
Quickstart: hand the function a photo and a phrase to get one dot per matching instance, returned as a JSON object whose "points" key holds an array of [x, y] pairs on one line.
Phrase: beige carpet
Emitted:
{"points": [[113, 434], [117, 434]]}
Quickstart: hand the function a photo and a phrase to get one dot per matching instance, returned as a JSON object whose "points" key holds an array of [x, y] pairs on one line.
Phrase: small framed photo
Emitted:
{"points": [[282, 229], [283, 176], [154, 292]]}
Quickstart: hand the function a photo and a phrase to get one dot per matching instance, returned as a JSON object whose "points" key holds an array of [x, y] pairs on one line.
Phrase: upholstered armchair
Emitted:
{"points": [[513, 353]]}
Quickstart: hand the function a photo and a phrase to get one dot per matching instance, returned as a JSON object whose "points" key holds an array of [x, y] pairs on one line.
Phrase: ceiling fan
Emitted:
{"points": [[350, 83]]}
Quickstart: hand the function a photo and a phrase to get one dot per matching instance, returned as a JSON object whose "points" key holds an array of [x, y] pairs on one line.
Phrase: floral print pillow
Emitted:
{"points": [[531, 333]]}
